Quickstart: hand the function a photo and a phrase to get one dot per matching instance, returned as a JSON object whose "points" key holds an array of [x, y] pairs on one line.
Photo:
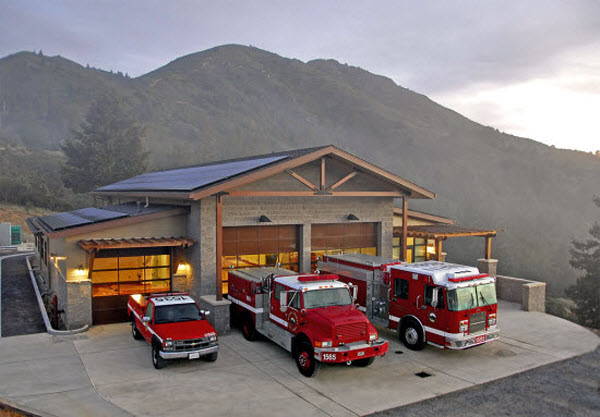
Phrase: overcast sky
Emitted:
{"points": [[530, 68]]}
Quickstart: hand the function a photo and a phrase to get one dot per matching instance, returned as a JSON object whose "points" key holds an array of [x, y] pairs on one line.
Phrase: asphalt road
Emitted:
{"points": [[562, 389], [20, 312]]}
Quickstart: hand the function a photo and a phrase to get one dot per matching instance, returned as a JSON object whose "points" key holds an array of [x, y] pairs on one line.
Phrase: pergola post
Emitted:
{"points": [[438, 249], [404, 227], [488, 247]]}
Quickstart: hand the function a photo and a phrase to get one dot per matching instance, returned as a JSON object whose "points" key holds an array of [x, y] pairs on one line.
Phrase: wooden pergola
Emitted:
{"points": [[441, 232]]}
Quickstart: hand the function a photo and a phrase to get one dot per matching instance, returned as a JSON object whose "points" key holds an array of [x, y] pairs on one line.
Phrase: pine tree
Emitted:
{"points": [[107, 148], [585, 255]]}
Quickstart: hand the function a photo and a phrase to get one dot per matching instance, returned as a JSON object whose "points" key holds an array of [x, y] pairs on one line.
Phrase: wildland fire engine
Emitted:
{"points": [[310, 315], [174, 326], [443, 304]]}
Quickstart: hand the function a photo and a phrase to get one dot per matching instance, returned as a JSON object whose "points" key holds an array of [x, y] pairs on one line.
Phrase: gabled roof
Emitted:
{"points": [[194, 183]]}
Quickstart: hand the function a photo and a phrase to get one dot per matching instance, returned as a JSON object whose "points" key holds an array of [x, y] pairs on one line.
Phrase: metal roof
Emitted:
{"points": [[190, 179]]}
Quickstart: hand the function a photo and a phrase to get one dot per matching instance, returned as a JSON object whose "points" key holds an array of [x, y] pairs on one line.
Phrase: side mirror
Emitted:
{"points": [[283, 298], [146, 319], [435, 297], [354, 292], [206, 313]]}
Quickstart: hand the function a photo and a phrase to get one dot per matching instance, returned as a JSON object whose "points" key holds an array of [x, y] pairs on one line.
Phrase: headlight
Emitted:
{"points": [[212, 339], [372, 337], [325, 344], [491, 319], [463, 325], [168, 343]]}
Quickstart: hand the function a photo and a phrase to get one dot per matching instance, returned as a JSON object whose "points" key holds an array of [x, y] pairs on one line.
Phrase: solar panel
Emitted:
{"points": [[189, 179], [63, 220], [97, 215]]}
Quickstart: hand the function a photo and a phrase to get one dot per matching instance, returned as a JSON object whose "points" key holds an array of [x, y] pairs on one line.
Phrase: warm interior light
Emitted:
{"points": [[431, 249], [183, 269], [80, 272]]}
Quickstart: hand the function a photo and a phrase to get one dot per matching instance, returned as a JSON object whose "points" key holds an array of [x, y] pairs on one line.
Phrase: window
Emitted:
{"points": [[401, 288], [429, 296], [149, 311], [294, 299], [277, 291]]}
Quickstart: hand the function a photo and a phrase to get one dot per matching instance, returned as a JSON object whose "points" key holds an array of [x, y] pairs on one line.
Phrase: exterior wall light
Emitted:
{"points": [[352, 217], [264, 219]]}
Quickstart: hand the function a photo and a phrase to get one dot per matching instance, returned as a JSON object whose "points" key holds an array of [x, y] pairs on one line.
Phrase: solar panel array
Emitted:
{"points": [[189, 179], [80, 217]]}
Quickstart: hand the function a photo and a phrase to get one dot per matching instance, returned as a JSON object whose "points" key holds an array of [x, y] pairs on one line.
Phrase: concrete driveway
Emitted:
{"points": [[104, 372]]}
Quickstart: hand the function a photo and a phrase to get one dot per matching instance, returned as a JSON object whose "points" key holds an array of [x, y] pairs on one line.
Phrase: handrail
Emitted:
{"points": [[49, 328]]}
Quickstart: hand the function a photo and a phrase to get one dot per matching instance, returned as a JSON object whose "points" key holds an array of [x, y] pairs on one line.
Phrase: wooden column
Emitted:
{"points": [[488, 247], [404, 227], [91, 256], [322, 173], [219, 237], [438, 249]]}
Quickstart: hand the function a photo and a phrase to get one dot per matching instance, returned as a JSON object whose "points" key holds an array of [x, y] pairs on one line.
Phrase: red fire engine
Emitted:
{"points": [[312, 316], [446, 305]]}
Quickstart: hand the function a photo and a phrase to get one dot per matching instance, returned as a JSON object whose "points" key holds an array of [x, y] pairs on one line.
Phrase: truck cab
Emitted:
{"points": [[312, 316], [174, 325]]}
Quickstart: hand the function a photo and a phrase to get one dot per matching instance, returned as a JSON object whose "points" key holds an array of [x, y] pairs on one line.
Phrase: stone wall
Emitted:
{"points": [[79, 307], [530, 294]]}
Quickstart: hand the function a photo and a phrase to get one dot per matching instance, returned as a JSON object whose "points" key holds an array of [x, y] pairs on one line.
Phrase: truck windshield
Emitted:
{"points": [[470, 297], [177, 312], [326, 298]]}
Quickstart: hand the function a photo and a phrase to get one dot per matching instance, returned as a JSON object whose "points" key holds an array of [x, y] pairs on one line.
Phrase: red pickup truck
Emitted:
{"points": [[174, 326]]}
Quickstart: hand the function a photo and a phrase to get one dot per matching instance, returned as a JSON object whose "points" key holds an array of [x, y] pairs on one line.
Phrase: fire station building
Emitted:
{"points": [[184, 229]]}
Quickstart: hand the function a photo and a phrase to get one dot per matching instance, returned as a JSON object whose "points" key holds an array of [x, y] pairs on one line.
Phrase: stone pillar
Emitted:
{"points": [[488, 266], [385, 241], [219, 312], [208, 250], [78, 308], [192, 254], [305, 247]]}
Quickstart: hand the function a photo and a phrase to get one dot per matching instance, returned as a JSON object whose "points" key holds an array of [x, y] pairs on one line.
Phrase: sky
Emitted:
{"points": [[530, 68]]}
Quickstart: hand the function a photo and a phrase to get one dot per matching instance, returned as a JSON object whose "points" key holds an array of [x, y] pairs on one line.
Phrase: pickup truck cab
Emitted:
{"points": [[174, 326]]}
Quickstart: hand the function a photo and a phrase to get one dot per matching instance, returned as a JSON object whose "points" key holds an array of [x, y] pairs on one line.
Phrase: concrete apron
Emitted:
{"points": [[106, 372]]}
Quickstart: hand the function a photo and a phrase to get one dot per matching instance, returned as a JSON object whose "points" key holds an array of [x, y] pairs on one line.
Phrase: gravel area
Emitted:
{"points": [[562, 389]]}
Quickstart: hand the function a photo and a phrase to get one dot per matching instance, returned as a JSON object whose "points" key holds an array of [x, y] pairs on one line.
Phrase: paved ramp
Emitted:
{"points": [[20, 313]]}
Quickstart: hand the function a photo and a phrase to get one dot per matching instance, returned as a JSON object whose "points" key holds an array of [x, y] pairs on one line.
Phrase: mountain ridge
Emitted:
{"points": [[233, 101]]}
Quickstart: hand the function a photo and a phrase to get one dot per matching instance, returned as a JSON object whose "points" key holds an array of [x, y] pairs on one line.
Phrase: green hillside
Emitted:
{"points": [[233, 101]]}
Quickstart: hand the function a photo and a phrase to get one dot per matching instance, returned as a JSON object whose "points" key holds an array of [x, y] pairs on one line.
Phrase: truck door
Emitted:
{"points": [[275, 314], [434, 313], [399, 298]]}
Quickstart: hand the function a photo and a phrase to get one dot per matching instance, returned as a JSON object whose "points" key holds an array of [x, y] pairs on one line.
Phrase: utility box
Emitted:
{"points": [[5, 235], [15, 235]]}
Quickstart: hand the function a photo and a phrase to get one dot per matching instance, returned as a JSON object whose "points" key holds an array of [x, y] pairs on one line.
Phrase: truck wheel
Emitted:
{"points": [[134, 330], [248, 329], [211, 357], [305, 360], [411, 334], [157, 361], [363, 363]]}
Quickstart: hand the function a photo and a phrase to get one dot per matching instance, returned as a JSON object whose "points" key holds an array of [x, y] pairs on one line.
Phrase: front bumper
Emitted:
{"points": [[352, 351], [459, 341], [189, 354]]}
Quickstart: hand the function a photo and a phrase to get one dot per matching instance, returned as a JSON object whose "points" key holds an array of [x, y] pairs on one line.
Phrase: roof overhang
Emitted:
{"points": [[424, 216], [443, 231], [135, 242]]}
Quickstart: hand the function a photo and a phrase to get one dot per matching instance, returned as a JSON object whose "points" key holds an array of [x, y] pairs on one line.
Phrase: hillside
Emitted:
{"points": [[232, 101]]}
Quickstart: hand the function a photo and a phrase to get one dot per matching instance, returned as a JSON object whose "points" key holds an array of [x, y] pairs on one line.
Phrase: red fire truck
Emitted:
{"points": [[174, 326], [446, 305], [312, 316]]}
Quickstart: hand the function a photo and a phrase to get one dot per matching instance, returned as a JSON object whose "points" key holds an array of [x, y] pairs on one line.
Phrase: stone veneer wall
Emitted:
{"points": [[530, 294]]}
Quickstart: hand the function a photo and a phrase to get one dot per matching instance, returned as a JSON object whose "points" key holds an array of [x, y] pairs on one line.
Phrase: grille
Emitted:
{"points": [[191, 344], [353, 332], [477, 322]]}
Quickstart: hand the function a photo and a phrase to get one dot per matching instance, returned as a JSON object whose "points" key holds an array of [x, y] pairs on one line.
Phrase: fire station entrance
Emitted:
{"points": [[340, 238], [256, 246]]}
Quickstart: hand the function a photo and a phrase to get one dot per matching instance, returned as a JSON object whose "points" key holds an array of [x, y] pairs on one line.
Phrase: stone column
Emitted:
{"points": [[305, 247], [219, 312], [488, 266]]}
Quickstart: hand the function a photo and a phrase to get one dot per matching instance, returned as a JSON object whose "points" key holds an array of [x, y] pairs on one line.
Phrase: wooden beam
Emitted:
{"points": [[394, 194], [488, 247], [248, 193], [91, 256], [438, 249], [343, 180], [404, 228], [244, 193], [303, 180], [322, 173], [219, 238]]}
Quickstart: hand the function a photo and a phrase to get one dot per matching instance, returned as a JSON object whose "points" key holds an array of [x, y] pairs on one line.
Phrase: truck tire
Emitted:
{"points": [[157, 361], [363, 363], [134, 330], [248, 329], [211, 357], [411, 334], [305, 359]]}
